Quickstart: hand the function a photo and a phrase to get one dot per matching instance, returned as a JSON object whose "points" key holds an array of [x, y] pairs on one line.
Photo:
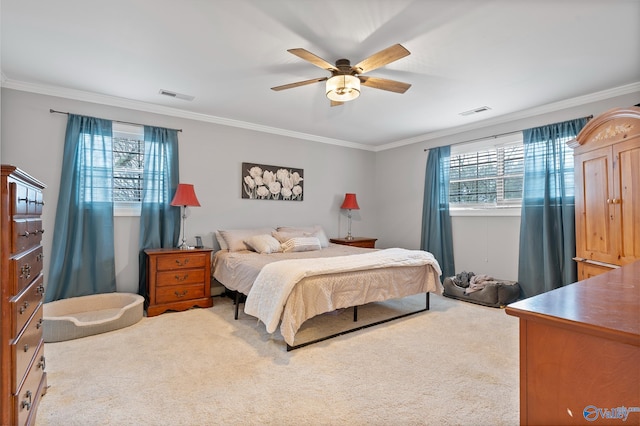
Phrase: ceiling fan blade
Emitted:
{"points": [[384, 84], [314, 59], [336, 103], [299, 83], [382, 58]]}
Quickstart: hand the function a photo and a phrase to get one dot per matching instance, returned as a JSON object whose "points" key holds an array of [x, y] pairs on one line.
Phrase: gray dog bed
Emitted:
{"points": [[493, 292], [82, 316]]}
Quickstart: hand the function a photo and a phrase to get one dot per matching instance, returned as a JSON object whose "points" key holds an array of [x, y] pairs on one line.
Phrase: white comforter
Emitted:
{"points": [[276, 280]]}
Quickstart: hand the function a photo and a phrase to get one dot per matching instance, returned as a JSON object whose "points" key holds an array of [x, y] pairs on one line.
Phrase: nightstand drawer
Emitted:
{"points": [[188, 260], [180, 277], [179, 293]]}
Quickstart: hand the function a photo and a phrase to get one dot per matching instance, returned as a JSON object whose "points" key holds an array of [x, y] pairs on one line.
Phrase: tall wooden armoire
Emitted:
{"points": [[607, 185]]}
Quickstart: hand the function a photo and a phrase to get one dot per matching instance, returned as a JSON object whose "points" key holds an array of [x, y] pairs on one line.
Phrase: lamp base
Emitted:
{"points": [[184, 246], [348, 237]]}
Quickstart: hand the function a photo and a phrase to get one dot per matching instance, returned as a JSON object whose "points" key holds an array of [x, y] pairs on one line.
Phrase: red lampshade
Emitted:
{"points": [[185, 196], [350, 202]]}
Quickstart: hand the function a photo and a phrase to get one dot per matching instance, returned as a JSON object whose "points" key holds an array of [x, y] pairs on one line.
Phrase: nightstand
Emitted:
{"points": [[364, 242], [178, 279]]}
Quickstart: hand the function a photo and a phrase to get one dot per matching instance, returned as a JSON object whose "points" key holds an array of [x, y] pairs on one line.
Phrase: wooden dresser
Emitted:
{"points": [[580, 351], [22, 361], [178, 279], [607, 180]]}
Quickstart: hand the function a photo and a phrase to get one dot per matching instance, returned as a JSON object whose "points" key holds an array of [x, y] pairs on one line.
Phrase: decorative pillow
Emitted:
{"points": [[221, 242], [316, 231], [234, 238], [283, 236], [301, 244], [263, 244]]}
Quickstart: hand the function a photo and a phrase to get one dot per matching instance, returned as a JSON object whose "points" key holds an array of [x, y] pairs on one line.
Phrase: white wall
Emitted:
{"points": [[210, 158]]}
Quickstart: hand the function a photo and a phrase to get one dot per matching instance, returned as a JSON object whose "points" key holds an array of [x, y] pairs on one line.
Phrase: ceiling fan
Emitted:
{"points": [[344, 83]]}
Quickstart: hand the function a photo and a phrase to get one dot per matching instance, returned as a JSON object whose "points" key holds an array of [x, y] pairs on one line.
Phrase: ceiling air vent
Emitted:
{"points": [[475, 110], [176, 95]]}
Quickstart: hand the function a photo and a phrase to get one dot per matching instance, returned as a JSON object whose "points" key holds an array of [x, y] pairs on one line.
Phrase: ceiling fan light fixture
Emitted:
{"points": [[343, 88]]}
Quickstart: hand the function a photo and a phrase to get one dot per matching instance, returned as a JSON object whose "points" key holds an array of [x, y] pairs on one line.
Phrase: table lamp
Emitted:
{"points": [[185, 196], [350, 203]]}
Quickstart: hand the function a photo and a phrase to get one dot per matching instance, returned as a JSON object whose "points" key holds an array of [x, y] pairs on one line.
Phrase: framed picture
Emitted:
{"points": [[264, 182]]}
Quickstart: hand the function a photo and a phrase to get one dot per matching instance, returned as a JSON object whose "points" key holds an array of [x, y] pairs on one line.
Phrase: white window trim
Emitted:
{"points": [[493, 211]]}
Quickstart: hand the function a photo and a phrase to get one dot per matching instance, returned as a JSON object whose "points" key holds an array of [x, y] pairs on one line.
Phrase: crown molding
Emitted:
{"points": [[80, 95], [115, 101], [532, 112]]}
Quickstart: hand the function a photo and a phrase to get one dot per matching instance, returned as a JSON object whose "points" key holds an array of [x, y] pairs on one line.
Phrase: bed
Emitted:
{"points": [[289, 275]]}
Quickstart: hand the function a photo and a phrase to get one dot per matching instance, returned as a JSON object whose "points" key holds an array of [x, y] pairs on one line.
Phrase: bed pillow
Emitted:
{"points": [[283, 236], [221, 242], [301, 244], [234, 238], [315, 231], [263, 244]]}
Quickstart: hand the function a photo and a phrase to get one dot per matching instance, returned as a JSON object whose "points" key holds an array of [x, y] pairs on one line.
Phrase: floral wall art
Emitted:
{"points": [[262, 182]]}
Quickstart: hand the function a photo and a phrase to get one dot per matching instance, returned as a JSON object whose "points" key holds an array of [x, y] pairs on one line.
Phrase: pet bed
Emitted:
{"points": [[487, 291], [83, 316]]}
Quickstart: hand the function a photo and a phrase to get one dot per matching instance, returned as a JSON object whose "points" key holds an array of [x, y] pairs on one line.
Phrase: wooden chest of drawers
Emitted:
{"points": [[23, 380], [178, 279]]}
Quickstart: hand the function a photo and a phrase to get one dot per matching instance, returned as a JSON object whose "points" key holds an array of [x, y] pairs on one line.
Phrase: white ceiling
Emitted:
{"points": [[511, 55]]}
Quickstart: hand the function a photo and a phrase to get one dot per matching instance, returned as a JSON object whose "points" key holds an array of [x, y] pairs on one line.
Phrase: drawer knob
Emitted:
{"points": [[181, 294], [39, 324], [40, 289], [182, 262], [27, 404], [26, 348], [24, 307], [181, 278], [43, 363], [25, 271]]}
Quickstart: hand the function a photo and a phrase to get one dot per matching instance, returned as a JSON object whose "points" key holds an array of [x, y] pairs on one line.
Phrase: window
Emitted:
{"points": [[128, 168], [487, 174]]}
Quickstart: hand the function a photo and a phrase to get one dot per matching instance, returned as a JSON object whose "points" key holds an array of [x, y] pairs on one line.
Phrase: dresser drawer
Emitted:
{"points": [[24, 304], [26, 267], [24, 348], [27, 200], [179, 293], [26, 233], [180, 277], [185, 261], [25, 399]]}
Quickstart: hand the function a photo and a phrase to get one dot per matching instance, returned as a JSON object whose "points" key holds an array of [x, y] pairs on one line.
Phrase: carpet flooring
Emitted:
{"points": [[456, 364]]}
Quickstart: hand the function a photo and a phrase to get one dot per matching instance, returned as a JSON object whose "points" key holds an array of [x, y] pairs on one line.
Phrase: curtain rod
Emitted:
{"points": [[589, 117], [117, 121]]}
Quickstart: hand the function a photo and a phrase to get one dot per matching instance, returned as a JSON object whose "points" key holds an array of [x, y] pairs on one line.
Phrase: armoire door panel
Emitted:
{"points": [[628, 207], [595, 206]]}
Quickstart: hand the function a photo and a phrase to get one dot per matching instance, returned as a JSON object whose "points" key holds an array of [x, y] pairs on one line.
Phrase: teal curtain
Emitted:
{"points": [[547, 221], [82, 254], [437, 237], [159, 221]]}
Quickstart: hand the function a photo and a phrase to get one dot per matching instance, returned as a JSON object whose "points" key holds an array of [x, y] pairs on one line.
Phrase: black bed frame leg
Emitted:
{"points": [[355, 314], [237, 302]]}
